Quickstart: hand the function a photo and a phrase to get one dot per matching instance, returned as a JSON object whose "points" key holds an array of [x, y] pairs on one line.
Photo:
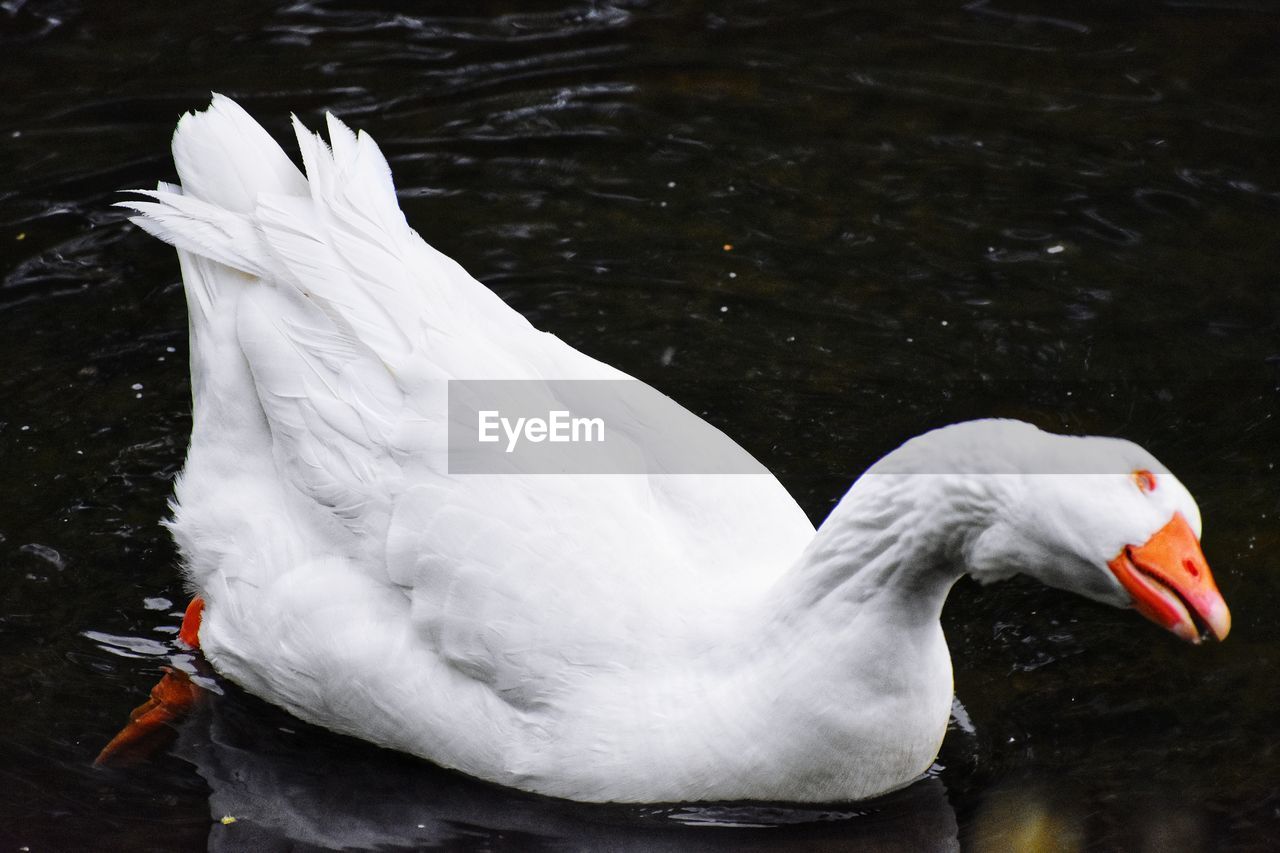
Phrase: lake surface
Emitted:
{"points": [[826, 226]]}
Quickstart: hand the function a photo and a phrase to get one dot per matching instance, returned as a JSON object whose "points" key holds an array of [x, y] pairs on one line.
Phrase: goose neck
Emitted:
{"points": [[895, 540]]}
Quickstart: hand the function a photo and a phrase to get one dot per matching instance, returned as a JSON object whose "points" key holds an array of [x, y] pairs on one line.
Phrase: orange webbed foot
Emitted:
{"points": [[189, 633], [149, 727]]}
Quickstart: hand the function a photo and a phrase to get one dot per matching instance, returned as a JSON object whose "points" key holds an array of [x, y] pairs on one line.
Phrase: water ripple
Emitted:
{"points": [[982, 7], [513, 27], [126, 646]]}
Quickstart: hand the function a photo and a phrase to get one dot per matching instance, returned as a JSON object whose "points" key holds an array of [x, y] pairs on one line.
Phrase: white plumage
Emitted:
{"points": [[601, 638]]}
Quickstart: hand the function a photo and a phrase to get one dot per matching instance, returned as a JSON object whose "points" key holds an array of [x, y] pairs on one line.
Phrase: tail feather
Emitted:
{"points": [[336, 235], [200, 228], [225, 158], [225, 162], [351, 182]]}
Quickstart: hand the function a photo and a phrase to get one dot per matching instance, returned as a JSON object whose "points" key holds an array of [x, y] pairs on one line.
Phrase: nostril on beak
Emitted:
{"points": [[1191, 568]]}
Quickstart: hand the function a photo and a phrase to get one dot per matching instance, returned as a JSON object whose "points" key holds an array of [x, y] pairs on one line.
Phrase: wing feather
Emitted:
{"points": [[351, 334]]}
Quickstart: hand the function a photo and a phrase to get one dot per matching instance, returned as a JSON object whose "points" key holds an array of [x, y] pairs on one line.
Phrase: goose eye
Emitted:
{"points": [[1145, 479]]}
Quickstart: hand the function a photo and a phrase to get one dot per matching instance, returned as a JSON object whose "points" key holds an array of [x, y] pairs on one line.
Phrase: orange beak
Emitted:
{"points": [[1171, 584]]}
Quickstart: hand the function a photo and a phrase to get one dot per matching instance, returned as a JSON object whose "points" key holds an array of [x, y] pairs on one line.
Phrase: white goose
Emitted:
{"points": [[612, 638]]}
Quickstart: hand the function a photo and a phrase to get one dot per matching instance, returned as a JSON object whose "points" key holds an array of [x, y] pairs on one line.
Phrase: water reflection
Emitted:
{"points": [[286, 784], [1036, 817]]}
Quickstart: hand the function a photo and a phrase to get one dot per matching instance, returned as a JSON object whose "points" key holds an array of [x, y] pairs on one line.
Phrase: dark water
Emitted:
{"points": [[935, 212]]}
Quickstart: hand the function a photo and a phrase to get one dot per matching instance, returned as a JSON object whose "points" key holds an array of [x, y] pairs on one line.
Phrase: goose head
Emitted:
{"points": [[1101, 517]]}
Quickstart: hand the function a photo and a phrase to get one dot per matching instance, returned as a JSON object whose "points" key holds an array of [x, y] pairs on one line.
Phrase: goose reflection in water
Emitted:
{"points": [[276, 783]]}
